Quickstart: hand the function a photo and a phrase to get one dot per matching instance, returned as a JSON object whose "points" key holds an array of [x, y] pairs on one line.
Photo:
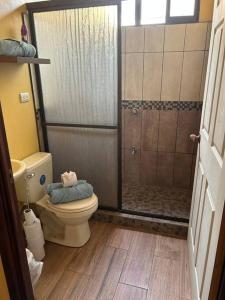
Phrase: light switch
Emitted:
{"points": [[24, 97]]}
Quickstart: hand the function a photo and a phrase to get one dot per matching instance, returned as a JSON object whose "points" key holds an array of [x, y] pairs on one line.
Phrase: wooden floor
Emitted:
{"points": [[117, 263]]}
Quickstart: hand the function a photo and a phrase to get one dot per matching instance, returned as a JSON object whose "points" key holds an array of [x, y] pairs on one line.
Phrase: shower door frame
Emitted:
{"points": [[46, 6]]}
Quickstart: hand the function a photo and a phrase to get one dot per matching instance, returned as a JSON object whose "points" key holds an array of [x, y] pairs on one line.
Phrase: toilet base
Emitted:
{"points": [[63, 226], [74, 235]]}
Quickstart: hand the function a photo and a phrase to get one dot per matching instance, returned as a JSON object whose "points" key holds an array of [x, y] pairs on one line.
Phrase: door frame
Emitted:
{"points": [[217, 288], [46, 6], [12, 242]]}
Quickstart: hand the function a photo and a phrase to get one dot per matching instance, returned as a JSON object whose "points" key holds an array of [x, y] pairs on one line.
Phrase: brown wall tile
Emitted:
{"points": [[188, 123], [167, 131], [205, 63], [192, 76], [122, 165], [148, 167], [133, 76], [154, 38], [193, 170], [174, 37], [195, 36], [171, 79], [134, 39], [182, 170], [209, 29], [165, 169], [152, 76], [131, 167], [123, 127], [123, 39], [150, 129], [132, 129], [123, 76]]}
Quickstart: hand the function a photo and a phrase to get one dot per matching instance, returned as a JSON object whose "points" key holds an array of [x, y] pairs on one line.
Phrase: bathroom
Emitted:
{"points": [[121, 106]]}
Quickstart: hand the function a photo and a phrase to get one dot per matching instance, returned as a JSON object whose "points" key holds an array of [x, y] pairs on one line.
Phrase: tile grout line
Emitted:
{"points": [[151, 271], [131, 285], [128, 252], [120, 274], [178, 113], [106, 274], [141, 109], [157, 156], [65, 269]]}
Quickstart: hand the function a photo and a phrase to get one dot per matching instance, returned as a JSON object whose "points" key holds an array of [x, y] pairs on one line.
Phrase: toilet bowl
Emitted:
{"points": [[65, 224], [70, 218]]}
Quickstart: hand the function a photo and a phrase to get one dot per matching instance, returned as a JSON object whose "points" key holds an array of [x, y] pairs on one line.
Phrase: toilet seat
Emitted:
{"points": [[70, 207]]}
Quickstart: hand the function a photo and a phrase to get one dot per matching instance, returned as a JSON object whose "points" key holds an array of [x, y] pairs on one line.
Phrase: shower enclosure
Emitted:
{"points": [[131, 145]]}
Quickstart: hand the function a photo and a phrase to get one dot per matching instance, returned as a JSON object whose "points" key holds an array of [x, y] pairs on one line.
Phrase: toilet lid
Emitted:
{"points": [[74, 206]]}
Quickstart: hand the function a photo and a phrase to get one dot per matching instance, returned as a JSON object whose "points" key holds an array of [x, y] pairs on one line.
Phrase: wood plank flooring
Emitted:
{"points": [[116, 264]]}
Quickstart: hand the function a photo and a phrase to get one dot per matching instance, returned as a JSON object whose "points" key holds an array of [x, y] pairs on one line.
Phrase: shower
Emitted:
{"points": [[118, 104]]}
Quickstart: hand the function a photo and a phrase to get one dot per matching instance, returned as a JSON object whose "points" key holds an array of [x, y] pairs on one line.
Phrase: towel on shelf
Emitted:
{"points": [[59, 194], [11, 47], [69, 178]]}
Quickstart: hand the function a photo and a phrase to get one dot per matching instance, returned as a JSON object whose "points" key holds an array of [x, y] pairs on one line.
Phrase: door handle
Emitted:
{"points": [[195, 138]]}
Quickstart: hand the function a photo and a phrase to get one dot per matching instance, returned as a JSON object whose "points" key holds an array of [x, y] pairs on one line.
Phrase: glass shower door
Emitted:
{"points": [[80, 93]]}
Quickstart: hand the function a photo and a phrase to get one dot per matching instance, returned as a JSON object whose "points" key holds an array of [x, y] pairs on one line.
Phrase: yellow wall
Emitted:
{"points": [[4, 295], [14, 78], [19, 118], [206, 10]]}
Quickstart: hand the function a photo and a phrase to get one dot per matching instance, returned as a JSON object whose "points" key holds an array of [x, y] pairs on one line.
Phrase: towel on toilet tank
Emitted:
{"points": [[59, 194], [69, 178]]}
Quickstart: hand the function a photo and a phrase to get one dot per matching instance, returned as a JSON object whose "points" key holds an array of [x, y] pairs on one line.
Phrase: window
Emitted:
{"points": [[144, 12], [153, 11], [182, 8], [128, 13]]}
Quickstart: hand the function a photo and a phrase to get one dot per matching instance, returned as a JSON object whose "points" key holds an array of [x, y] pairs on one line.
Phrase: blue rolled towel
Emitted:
{"points": [[16, 48], [54, 186], [79, 191]]}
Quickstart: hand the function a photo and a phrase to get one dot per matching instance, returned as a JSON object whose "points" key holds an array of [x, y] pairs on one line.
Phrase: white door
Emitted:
{"points": [[209, 187]]}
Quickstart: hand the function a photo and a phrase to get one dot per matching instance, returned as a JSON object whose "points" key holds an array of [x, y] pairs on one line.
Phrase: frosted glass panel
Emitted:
{"points": [[92, 154], [80, 84]]}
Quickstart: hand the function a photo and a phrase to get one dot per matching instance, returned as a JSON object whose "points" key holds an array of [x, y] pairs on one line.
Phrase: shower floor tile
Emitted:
{"points": [[166, 201]]}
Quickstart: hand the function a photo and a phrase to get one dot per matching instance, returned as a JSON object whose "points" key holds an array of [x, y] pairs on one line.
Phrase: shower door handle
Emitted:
{"points": [[195, 138]]}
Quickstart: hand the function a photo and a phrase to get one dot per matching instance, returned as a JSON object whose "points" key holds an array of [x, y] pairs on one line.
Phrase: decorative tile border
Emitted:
{"points": [[162, 105], [131, 104]]}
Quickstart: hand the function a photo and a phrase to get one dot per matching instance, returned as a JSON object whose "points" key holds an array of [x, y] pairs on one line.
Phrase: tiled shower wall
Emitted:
{"points": [[163, 76]]}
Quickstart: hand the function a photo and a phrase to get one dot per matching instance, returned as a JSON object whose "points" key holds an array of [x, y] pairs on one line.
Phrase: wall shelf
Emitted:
{"points": [[23, 60]]}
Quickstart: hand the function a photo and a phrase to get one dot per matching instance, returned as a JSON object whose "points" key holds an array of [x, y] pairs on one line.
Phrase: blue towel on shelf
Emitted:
{"points": [[59, 194], [16, 48]]}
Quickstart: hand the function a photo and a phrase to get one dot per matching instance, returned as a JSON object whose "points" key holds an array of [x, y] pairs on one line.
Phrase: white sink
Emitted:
{"points": [[18, 168]]}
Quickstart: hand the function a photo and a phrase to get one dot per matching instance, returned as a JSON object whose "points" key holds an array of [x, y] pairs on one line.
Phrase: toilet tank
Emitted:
{"points": [[38, 175]]}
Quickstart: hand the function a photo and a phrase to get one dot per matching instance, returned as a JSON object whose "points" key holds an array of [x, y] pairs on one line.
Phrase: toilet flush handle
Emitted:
{"points": [[31, 175]]}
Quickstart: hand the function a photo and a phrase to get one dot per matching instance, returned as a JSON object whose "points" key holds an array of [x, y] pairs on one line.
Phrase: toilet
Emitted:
{"points": [[65, 224]]}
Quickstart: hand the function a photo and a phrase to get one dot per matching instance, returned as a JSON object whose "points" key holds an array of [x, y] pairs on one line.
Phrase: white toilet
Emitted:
{"points": [[65, 224]]}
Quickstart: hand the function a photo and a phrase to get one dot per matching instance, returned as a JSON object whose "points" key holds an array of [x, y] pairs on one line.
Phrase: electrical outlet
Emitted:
{"points": [[24, 97]]}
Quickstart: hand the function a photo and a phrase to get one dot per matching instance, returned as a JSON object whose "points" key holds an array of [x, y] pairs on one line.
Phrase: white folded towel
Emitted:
{"points": [[69, 178]]}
